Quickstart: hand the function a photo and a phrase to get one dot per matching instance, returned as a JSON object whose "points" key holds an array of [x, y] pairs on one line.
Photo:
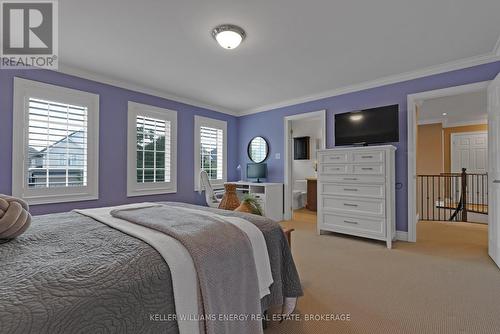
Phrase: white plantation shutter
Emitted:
{"points": [[153, 150], [57, 145], [211, 152]]}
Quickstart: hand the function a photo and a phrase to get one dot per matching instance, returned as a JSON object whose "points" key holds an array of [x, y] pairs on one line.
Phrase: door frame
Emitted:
{"points": [[455, 134], [414, 101], [288, 154]]}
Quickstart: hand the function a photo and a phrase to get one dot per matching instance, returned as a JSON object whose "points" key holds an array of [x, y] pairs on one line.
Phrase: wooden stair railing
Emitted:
{"points": [[452, 196]]}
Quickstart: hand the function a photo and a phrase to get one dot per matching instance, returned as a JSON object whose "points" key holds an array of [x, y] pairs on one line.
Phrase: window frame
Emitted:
{"points": [[200, 121], [135, 188], [25, 89]]}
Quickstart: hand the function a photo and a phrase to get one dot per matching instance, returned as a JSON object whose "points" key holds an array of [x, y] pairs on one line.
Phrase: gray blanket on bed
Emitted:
{"points": [[223, 258], [71, 274]]}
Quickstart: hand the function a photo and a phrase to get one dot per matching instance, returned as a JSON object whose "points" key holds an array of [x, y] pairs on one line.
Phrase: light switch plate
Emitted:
{"points": [[277, 156]]}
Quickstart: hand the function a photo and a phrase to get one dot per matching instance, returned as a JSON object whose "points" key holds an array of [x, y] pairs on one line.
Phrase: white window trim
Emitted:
{"points": [[141, 189], [23, 90], [200, 121]]}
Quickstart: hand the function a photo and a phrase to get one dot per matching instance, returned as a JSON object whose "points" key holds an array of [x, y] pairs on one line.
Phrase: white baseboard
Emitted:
{"points": [[477, 218], [402, 235]]}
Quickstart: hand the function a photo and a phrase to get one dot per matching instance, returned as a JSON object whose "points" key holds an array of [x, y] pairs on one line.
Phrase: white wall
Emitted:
{"points": [[311, 127], [467, 108]]}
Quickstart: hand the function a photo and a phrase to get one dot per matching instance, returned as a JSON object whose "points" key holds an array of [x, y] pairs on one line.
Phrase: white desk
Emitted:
{"points": [[269, 195]]}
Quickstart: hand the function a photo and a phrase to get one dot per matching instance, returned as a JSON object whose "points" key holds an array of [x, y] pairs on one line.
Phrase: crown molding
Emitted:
{"points": [[430, 121], [481, 121], [445, 124], [428, 71], [74, 71]]}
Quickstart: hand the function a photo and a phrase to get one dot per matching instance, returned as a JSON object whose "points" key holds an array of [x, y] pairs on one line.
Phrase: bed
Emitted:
{"points": [[72, 274]]}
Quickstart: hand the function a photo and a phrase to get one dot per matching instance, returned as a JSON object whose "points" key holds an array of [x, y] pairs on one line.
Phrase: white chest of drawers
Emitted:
{"points": [[356, 189]]}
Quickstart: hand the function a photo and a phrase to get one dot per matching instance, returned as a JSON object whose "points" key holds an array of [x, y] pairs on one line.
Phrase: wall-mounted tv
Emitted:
{"points": [[369, 126]]}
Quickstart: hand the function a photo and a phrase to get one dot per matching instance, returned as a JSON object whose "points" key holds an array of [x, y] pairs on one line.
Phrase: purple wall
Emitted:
{"points": [[269, 124], [113, 140], [113, 131]]}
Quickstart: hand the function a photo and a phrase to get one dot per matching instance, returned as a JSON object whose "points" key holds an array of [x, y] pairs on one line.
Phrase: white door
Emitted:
{"points": [[469, 150], [494, 169]]}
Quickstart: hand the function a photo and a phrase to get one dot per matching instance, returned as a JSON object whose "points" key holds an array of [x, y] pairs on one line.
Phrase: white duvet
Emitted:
{"points": [[184, 278]]}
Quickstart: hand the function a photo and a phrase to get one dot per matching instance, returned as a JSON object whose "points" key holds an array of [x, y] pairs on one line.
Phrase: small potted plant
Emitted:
{"points": [[250, 204]]}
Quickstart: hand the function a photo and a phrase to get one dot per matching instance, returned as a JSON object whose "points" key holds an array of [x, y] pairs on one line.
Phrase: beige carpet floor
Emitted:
{"points": [[444, 283]]}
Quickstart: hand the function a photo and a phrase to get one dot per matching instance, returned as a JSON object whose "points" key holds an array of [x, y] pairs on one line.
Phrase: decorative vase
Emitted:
{"points": [[230, 199]]}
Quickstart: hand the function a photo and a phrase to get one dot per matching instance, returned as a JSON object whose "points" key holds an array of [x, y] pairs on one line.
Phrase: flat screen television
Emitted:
{"points": [[256, 171], [369, 126]]}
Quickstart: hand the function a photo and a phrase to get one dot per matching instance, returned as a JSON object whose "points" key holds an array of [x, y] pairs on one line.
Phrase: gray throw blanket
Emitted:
{"points": [[223, 259]]}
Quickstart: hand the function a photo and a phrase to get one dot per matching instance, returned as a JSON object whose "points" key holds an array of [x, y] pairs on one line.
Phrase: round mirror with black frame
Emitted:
{"points": [[258, 149]]}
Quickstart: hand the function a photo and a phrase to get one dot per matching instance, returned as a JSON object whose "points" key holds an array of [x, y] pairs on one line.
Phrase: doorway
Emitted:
{"points": [[304, 135], [468, 149]]}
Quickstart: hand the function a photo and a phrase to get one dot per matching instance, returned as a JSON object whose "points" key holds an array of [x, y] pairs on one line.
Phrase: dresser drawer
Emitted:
{"points": [[335, 169], [351, 223], [349, 189], [363, 206], [375, 156], [369, 169], [353, 178], [334, 157]]}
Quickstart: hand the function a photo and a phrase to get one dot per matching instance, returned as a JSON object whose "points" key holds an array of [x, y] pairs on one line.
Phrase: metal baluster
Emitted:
{"points": [[427, 195], [432, 195], [439, 198], [422, 196]]}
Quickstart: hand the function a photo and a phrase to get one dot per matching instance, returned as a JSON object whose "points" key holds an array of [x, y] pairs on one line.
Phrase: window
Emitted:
{"points": [[55, 144], [210, 150], [152, 150]]}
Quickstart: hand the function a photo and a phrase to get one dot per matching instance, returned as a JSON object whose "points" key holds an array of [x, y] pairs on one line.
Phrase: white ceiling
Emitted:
{"points": [[461, 108], [293, 49]]}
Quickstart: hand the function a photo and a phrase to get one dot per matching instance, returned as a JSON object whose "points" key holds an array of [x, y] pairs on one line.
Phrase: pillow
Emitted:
{"points": [[14, 217]]}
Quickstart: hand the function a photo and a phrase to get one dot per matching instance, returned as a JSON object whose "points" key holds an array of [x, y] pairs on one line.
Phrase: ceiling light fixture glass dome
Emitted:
{"points": [[228, 36]]}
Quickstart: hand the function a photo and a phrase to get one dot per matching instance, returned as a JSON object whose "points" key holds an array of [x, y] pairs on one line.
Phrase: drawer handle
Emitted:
{"points": [[350, 189], [350, 222], [367, 156], [334, 168], [367, 168], [350, 178], [334, 158], [349, 204]]}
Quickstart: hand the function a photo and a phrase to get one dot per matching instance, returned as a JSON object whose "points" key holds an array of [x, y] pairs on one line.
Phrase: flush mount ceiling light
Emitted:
{"points": [[228, 36], [444, 114]]}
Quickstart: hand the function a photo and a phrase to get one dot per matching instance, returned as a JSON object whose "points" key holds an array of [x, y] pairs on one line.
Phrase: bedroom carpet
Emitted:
{"points": [[444, 283]]}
